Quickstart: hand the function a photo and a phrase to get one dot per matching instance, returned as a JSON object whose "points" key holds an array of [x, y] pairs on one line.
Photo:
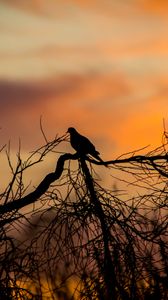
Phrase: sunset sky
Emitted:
{"points": [[100, 66]]}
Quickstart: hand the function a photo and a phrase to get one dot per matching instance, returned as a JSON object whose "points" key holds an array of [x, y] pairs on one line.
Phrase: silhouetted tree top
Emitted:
{"points": [[154, 161], [112, 244]]}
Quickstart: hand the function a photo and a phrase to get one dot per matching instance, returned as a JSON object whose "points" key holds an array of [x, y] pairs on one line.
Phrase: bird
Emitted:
{"points": [[82, 144]]}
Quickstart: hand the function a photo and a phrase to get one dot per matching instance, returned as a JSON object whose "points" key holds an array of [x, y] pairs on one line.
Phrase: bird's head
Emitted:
{"points": [[71, 130]]}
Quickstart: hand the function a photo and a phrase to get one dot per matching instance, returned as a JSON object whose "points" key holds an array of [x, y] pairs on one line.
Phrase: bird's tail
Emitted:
{"points": [[97, 155]]}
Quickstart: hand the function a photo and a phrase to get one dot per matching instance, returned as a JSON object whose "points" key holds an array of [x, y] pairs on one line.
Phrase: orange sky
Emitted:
{"points": [[101, 66]]}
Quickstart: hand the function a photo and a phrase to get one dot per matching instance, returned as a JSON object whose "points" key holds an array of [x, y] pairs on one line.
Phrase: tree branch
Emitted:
{"points": [[136, 158], [51, 177], [41, 188]]}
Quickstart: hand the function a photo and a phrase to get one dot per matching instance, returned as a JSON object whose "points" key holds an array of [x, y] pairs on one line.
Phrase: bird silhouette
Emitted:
{"points": [[82, 144]]}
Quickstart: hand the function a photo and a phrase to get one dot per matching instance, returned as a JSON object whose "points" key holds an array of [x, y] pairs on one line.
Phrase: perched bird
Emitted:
{"points": [[82, 144]]}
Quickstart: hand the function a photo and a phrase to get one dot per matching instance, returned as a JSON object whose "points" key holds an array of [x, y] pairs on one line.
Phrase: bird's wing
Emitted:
{"points": [[86, 144]]}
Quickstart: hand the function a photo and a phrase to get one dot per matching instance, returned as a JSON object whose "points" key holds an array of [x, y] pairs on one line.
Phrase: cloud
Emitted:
{"points": [[100, 67], [79, 39], [107, 107], [81, 101], [18, 93]]}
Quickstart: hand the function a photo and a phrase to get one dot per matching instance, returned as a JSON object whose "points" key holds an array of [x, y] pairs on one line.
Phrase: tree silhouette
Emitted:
{"points": [[72, 238]]}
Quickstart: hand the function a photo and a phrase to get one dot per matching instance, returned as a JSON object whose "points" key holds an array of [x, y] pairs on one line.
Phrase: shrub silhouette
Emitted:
{"points": [[82, 240]]}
